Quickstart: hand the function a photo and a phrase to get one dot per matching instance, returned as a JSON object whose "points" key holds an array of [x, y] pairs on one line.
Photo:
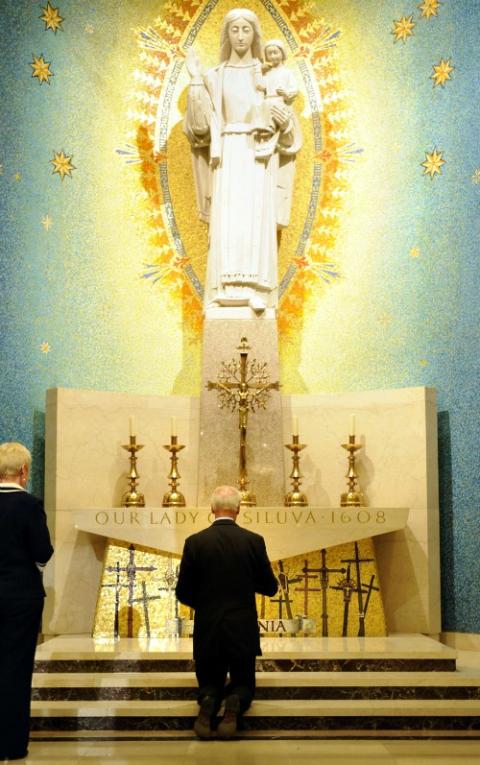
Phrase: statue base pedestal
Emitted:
{"points": [[219, 430]]}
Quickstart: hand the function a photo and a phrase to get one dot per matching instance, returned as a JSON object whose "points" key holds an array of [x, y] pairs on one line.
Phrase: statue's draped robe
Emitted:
{"points": [[246, 197]]}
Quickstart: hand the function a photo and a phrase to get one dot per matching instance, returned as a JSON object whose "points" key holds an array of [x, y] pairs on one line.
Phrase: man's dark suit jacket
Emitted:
{"points": [[221, 570], [24, 541]]}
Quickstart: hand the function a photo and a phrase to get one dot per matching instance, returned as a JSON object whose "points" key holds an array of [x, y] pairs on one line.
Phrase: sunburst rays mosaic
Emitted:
{"points": [[158, 154]]}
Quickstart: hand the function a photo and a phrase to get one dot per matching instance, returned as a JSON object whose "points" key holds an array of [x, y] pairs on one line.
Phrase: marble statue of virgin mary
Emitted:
{"points": [[243, 178]]}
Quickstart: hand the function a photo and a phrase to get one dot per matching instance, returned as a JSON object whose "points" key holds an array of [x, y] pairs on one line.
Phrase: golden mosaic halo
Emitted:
{"points": [[177, 242]]}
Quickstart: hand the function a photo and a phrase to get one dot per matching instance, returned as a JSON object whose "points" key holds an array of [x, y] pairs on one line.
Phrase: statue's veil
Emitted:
{"points": [[234, 15]]}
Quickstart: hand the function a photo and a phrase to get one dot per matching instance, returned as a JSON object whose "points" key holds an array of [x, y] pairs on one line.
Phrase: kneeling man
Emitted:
{"points": [[221, 570]]}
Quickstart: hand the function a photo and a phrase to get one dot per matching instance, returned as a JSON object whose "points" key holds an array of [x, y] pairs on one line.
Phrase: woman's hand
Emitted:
{"points": [[193, 65]]}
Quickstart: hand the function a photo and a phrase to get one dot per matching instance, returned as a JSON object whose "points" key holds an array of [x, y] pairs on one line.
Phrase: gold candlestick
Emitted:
{"points": [[296, 498], [133, 497], [173, 498], [353, 497]]}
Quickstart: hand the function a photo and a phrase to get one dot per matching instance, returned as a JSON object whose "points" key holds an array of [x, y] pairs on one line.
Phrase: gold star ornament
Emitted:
{"points": [[51, 17], [429, 8], [45, 347], [433, 163], [41, 69], [62, 165], [441, 72], [414, 252], [476, 176], [403, 28], [47, 222]]}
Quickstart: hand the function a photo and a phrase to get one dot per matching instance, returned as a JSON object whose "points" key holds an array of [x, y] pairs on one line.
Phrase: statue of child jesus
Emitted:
{"points": [[279, 87]]}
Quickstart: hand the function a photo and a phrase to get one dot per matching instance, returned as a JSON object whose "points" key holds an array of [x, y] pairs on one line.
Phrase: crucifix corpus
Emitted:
{"points": [[245, 386]]}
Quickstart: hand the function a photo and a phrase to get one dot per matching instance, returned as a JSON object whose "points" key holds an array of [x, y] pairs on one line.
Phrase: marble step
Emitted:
{"points": [[276, 685], [293, 715], [405, 653], [276, 708]]}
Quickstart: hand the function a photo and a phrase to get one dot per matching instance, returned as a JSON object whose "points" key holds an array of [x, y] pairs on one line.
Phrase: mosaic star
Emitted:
{"points": [[385, 319], [62, 165], [433, 163], [17, 176], [476, 176], [41, 69], [429, 8], [51, 17], [403, 28], [45, 347], [47, 222], [414, 252], [441, 72]]}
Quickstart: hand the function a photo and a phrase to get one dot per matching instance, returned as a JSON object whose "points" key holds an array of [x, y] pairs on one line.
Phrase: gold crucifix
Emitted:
{"points": [[243, 385]]}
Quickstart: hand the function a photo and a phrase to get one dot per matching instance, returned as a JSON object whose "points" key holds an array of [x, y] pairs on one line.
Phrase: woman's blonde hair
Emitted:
{"points": [[13, 456], [252, 18]]}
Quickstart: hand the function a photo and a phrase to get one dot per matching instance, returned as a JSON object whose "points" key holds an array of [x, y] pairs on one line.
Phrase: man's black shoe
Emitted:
{"points": [[8, 757], [227, 726], [203, 724]]}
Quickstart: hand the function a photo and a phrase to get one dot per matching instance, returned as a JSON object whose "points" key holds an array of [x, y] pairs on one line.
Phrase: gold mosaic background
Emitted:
{"points": [[137, 592]]}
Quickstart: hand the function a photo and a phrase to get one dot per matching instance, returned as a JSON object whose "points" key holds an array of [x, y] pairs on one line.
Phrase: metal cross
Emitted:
{"points": [[359, 588], [285, 581], [244, 386], [323, 571], [348, 586], [131, 570], [306, 589]]}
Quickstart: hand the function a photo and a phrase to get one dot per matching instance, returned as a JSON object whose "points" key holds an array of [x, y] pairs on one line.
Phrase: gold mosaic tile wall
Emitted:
{"points": [[338, 588]]}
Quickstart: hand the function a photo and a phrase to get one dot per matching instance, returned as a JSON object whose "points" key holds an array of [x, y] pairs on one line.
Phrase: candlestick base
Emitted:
{"points": [[173, 498], [296, 499], [248, 498], [352, 499], [133, 499]]}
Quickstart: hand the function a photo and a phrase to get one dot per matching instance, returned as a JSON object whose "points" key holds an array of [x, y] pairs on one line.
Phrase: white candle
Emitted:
{"points": [[131, 425], [295, 426], [173, 426], [352, 424]]}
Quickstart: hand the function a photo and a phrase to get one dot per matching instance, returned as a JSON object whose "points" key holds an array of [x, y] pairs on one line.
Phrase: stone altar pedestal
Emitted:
{"points": [[219, 465], [86, 467]]}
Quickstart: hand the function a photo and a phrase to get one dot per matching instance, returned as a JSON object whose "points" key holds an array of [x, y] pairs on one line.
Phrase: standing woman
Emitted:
{"points": [[25, 548], [242, 190]]}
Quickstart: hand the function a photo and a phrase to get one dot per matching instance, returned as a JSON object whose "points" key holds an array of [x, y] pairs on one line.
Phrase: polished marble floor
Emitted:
{"points": [[255, 753]]}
